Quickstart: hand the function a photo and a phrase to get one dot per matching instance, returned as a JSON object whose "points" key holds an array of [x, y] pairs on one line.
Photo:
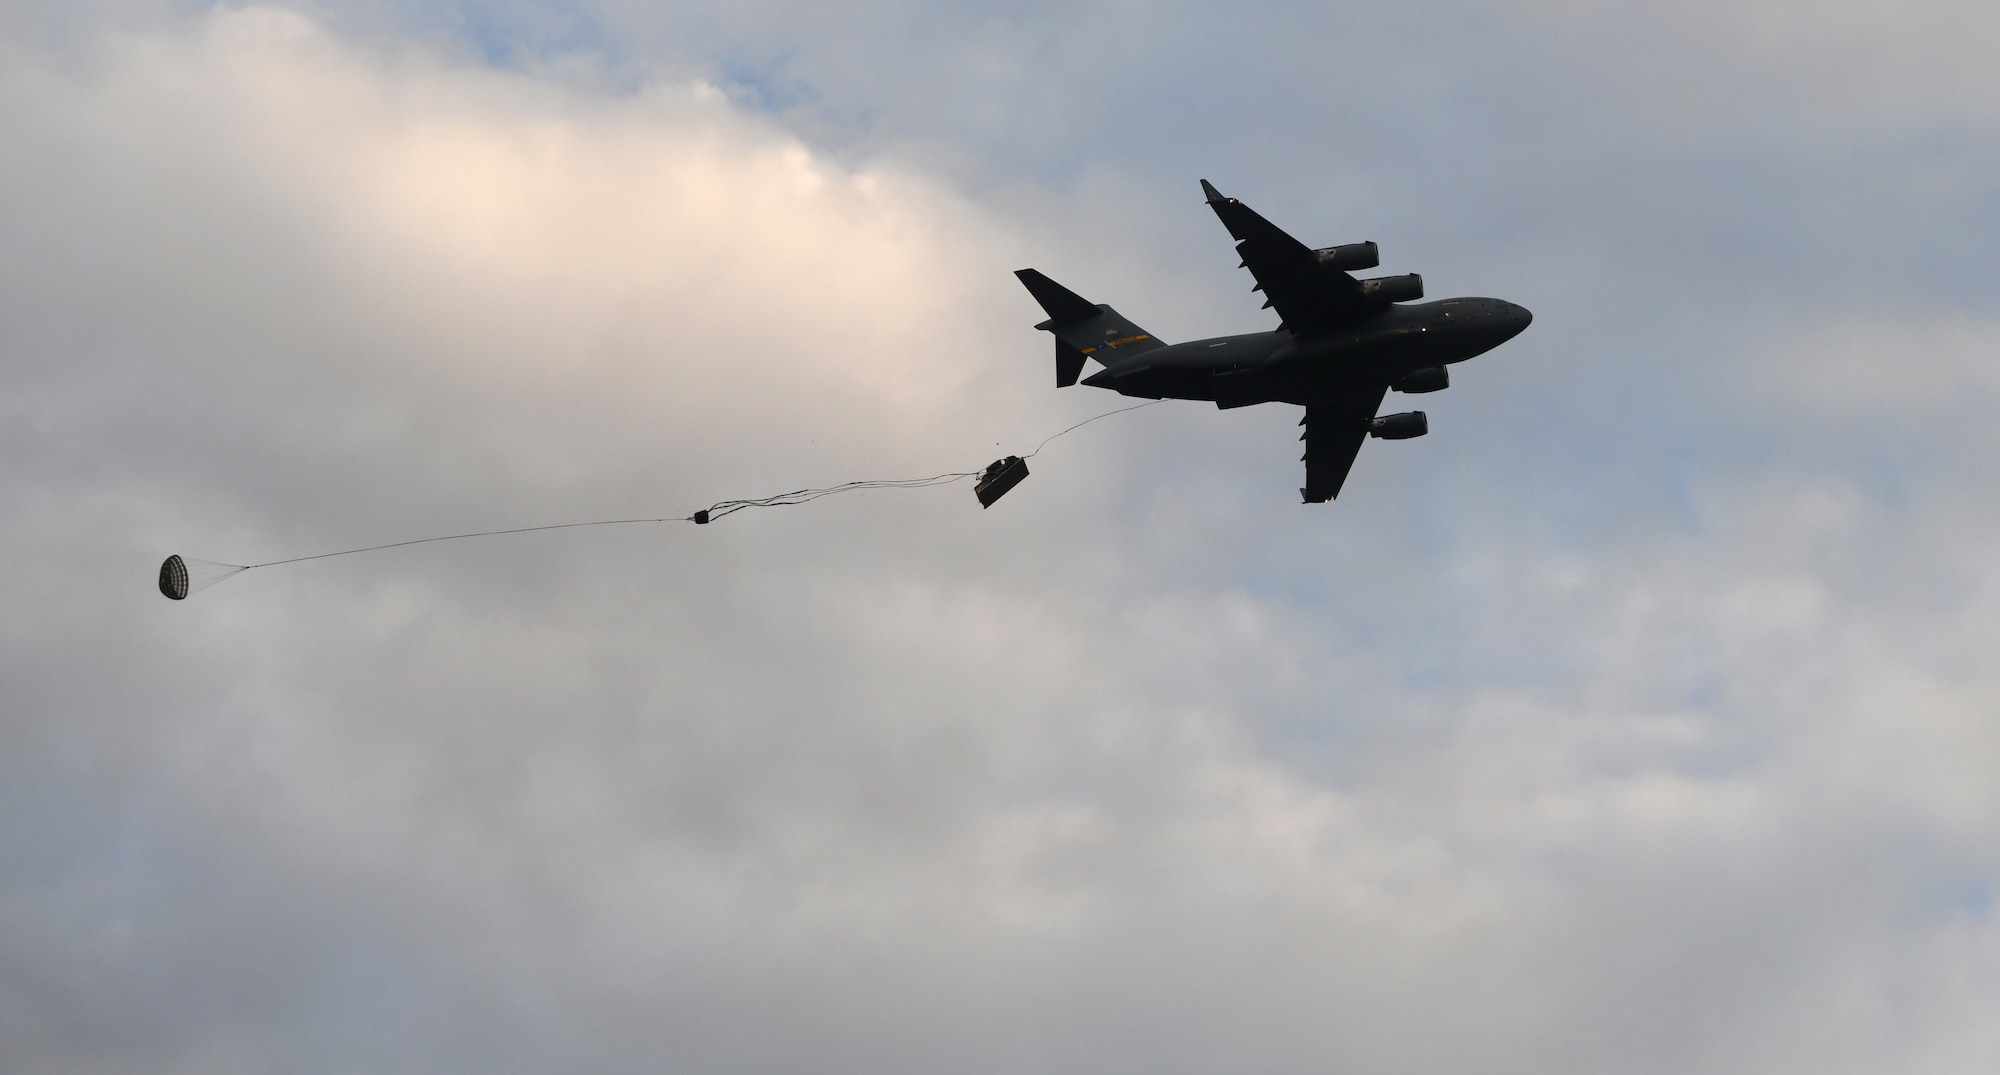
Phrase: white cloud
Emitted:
{"points": [[1854, 62], [1135, 771]]}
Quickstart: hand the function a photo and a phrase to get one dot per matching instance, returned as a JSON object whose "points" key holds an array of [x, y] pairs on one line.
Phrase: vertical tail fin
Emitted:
{"points": [[1083, 329]]}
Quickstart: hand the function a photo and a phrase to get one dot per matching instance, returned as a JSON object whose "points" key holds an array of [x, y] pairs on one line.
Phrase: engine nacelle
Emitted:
{"points": [[1433, 379], [1350, 257], [1399, 426], [1393, 288]]}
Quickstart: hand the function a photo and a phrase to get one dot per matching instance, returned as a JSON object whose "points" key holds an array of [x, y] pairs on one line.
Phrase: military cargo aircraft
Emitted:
{"points": [[1341, 346]]}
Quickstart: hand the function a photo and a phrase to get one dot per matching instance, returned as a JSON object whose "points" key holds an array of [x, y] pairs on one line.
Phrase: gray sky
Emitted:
{"points": [[1639, 719]]}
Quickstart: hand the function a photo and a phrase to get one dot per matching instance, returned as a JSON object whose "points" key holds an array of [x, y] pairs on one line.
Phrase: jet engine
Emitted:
{"points": [[1393, 288], [1399, 426], [1431, 379], [1349, 257]]}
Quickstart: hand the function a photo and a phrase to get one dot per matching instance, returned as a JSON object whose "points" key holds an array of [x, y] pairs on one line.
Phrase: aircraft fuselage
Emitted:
{"points": [[1280, 367]]}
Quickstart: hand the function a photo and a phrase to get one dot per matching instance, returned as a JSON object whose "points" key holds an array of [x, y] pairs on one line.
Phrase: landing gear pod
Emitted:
{"points": [[1002, 475]]}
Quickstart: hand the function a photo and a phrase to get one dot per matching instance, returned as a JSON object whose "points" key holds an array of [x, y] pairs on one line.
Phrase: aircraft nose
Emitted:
{"points": [[1516, 318]]}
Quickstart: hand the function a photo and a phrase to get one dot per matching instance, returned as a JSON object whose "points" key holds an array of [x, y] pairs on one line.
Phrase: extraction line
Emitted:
{"points": [[1087, 421]]}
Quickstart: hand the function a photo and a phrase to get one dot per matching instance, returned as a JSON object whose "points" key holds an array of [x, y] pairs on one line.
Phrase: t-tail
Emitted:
{"points": [[1083, 329]]}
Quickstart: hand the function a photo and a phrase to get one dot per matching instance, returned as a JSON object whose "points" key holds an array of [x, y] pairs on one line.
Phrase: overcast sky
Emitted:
{"points": [[1639, 719]]}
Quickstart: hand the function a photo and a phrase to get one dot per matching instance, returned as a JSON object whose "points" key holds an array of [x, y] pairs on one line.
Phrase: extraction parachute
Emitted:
{"points": [[181, 576]]}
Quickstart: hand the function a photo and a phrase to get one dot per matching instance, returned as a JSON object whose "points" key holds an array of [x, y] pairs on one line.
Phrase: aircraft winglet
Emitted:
{"points": [[1213, 194]]}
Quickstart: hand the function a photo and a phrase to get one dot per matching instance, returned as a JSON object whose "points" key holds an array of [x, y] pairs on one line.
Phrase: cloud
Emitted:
{"points": [[1649, 739]]}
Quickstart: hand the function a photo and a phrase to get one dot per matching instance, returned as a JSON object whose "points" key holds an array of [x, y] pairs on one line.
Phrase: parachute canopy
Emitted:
{"points": [[174, 578]]}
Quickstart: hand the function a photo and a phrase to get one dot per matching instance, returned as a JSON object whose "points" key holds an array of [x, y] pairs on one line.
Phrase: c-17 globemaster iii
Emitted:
{"points": [[1342, 345]]}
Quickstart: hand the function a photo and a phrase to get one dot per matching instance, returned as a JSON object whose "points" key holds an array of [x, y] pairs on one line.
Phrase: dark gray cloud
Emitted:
{"points": [[1634, 720]]}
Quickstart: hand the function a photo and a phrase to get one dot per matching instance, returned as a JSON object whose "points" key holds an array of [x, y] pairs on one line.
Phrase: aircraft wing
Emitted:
{"points": [[1333, 437], [1305, 292]]}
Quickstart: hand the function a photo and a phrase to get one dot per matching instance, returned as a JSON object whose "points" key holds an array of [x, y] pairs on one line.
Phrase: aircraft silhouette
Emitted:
{"points": [[1342, 344]]}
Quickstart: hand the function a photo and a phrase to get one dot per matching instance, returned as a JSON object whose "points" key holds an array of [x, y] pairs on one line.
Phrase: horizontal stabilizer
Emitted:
{"points": [[1062, 304]]}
